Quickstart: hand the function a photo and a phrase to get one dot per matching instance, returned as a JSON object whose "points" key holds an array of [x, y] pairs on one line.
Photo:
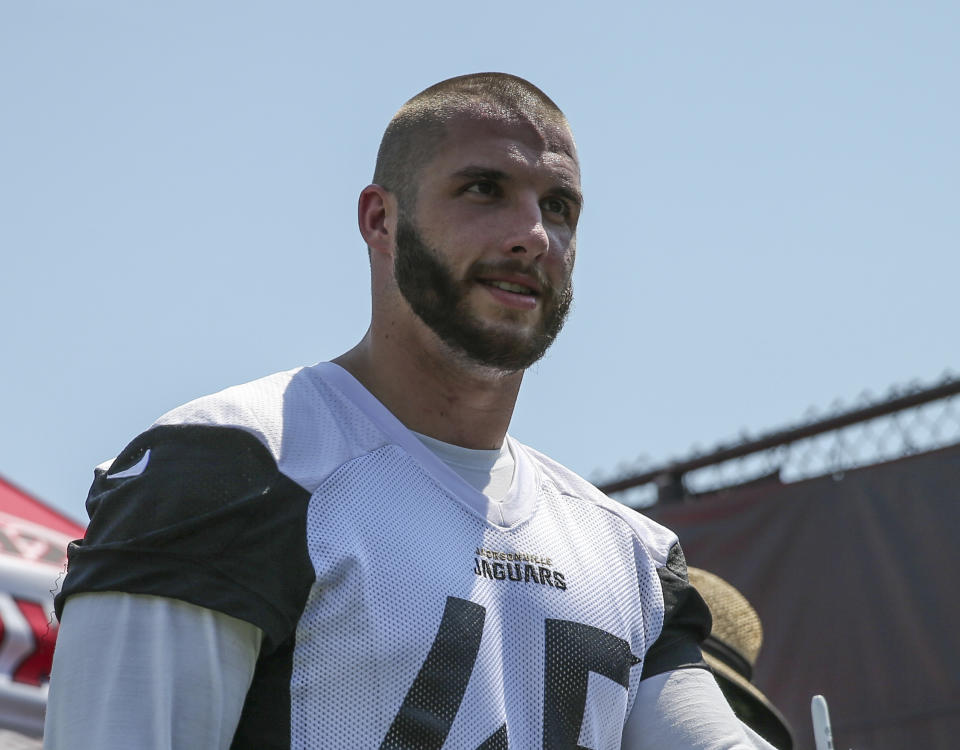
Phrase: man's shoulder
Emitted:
{"points": [[246, 405], [274, 407], [657, 539], [294, 414]]}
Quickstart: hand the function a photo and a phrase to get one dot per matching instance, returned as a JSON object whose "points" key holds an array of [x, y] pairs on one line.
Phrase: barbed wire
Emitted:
{"points": [[904, 432]]}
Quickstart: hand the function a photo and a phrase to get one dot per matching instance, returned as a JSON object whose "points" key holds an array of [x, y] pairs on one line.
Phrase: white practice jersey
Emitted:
{"points": [[394, 613]]}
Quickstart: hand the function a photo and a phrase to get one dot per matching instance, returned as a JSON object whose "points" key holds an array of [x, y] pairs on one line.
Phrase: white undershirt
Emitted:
{"points": [[146, 672], [489, 472]]}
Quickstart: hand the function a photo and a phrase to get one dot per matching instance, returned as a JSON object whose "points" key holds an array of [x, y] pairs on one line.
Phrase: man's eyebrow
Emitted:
{"points": [[567, 191], [482, 173]]}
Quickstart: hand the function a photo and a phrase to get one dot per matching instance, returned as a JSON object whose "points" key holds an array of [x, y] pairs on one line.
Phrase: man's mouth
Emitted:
{"points": [[508, 286]]}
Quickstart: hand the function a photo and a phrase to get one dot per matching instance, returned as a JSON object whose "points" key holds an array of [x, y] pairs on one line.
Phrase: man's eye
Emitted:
{"points": [[556, 206], [482, 188]]}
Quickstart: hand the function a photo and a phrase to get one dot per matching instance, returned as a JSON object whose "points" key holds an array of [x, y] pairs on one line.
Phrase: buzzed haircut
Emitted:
{"points": [[418, 128]]}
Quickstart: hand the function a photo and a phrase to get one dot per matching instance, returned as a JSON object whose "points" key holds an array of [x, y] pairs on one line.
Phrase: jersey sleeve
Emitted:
{"points": [[109, 692], [199, 513], [686, 709], [686, 621]]}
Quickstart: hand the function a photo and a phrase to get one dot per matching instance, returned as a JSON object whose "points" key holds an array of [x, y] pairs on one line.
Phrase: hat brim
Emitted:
{"points": [[750, 705]]}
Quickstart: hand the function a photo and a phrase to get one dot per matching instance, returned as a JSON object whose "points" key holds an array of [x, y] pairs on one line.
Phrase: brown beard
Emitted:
{"points": [[439, 300]]}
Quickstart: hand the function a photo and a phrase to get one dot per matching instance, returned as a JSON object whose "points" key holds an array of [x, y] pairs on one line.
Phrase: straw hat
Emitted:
{"points": [[731, 651]]}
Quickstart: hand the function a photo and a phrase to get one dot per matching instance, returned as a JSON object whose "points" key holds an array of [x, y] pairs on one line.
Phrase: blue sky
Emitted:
{"points": [[771, 215]]}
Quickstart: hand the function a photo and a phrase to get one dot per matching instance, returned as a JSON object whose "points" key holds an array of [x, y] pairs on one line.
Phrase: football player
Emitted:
{"points": [[357, 554]]}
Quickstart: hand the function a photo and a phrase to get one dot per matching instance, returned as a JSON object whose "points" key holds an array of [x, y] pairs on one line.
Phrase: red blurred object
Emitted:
{"points": [[33, 546]]}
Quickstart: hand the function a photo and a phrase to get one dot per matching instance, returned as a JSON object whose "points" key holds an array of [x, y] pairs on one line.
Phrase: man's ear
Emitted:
{"points": [[377, 218]]}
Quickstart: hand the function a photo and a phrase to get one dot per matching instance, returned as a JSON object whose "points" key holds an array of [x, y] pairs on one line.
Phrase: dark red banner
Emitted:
{"points": [[855, 578]]}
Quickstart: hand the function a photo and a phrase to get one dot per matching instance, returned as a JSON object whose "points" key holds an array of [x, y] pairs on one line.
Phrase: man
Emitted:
{"points": [[355, 554]]}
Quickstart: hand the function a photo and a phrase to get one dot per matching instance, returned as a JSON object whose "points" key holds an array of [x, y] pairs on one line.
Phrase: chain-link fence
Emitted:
{"points": [[906, 420]]}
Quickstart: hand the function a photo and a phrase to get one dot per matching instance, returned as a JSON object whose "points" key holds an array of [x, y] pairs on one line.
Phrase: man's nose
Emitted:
{"points": [[527, 235]]}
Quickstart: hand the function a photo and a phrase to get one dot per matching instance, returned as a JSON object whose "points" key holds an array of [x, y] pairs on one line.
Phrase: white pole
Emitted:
{"points": [[822, 733]]}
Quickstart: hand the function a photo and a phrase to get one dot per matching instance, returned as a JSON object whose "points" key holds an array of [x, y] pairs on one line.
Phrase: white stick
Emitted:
{"points": [[822, 733]]}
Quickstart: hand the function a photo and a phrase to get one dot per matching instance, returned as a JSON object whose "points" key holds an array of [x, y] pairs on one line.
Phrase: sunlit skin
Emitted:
{"points": [[495, 192]]}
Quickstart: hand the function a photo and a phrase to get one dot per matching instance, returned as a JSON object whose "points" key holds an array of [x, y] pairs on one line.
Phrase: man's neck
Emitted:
{"points": [[433, 393]]}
